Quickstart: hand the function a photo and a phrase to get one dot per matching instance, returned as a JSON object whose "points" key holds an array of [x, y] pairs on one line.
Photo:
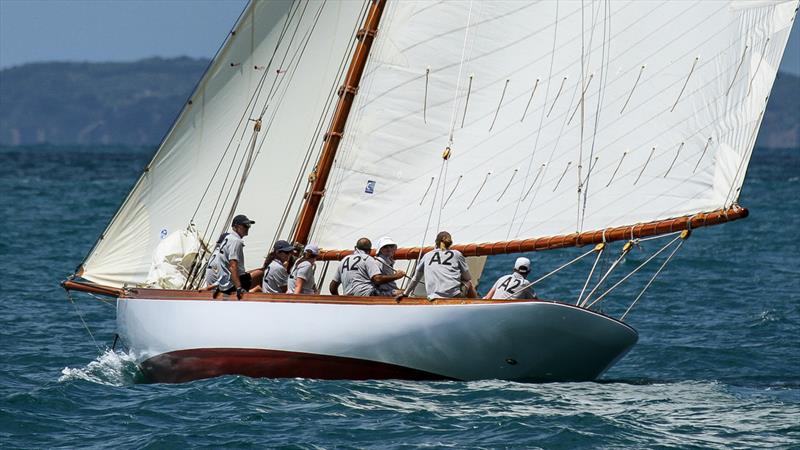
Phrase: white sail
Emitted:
{"points": [[562, 116], [283, 59]]}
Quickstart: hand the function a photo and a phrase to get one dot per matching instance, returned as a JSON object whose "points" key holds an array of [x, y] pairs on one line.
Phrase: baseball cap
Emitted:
{"points": [[241, 219], [522, 265], [384, 241], [283, 246], [313, 249]]}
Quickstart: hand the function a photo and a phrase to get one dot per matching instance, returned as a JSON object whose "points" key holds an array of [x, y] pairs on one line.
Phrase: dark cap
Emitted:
{"points": [[241, 219], [283, 246]]}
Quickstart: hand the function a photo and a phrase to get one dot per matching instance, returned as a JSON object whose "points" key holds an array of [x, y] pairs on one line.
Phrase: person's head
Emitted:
{"points": [[364, 244], [387, 247], [283, 250], [241, 225], [298, 249], [311, 252], [444, 240], [522, 266]]}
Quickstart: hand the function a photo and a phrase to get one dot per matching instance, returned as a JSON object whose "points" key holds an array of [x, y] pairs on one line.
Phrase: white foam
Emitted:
{"points": [[111, 368]]}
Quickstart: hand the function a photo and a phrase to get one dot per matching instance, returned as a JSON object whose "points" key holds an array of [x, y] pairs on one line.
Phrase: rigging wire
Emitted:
{"points": [[85, 326], [288, 20], [625, 250], [601, 93], [653, 278], [538, 133], [454, 112], [251, 105], [272, 88], [609, 290], [556, 270], [327, 110], [600, 248]]}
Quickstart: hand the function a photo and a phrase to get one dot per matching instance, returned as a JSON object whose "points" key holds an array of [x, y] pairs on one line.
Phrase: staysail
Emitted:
{"points": [[281, 64], [559, 117]]}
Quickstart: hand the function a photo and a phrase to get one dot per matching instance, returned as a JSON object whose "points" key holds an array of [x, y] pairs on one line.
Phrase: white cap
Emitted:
{"points": [[384, 241], [523, 265], [313, 249]]}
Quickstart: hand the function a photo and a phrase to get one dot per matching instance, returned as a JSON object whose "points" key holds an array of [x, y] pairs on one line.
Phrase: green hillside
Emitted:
{"points": [[135, 103]]}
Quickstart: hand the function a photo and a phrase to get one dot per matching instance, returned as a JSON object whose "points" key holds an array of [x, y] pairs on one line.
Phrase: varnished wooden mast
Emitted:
{"points": [[574, 239], [347, 92]]}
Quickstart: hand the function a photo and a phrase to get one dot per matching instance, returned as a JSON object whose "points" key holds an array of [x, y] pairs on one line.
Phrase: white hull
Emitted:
{"points": [[183, 339]]}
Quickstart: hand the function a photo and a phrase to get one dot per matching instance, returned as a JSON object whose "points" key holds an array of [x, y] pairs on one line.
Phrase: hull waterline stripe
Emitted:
{"points": [[187, 365]]}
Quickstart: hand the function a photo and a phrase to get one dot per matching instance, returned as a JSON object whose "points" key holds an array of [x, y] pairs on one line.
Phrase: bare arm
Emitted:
{"points": [[413, 285], [233, 265], [471, 292], [489, 294], [298, 285], [380, 279], [334, 287]]}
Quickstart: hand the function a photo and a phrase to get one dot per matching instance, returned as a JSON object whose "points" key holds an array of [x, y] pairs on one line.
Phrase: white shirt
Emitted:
{"points": [[275, 278], [218, 272], [355, 273], [304, 270], [443, 270], [512, 286]]}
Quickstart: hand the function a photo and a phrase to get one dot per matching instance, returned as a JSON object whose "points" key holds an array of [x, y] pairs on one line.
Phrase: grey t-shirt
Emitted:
{"points": [[386, 266], [355, 273], [275, 278], [443, 270], [512, 286], [304, 270], [218, 271]]}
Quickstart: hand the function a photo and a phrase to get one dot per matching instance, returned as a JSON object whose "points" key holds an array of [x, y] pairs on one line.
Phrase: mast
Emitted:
{"points": [[319, 177]]}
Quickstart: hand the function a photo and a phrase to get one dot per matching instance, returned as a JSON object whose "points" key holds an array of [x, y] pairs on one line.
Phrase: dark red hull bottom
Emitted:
{"points": [[187, 365]]}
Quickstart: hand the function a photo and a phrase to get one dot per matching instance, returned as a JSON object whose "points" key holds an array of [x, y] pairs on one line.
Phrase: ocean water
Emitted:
{"points": [[717, 364]]}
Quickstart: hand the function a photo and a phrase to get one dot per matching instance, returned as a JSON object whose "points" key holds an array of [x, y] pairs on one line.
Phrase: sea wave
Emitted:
{"points": [[111, 369]]}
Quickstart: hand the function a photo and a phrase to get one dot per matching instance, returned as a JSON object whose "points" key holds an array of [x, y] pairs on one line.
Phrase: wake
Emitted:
{"points": [[110, 369]]}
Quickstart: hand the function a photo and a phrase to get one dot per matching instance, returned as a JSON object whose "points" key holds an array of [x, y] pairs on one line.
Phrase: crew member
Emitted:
{"points": [[226, 270], [445, 271], [276, 275], [301, 278], [385, 258], [514, 285], [359, 273]]}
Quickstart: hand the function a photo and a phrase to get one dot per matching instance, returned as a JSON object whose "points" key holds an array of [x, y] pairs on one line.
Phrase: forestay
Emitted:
{"points": [[561, 116], [282, 63]]}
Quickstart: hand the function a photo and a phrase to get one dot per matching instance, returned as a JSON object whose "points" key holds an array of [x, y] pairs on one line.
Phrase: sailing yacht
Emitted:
{"points": [[516, 126]]}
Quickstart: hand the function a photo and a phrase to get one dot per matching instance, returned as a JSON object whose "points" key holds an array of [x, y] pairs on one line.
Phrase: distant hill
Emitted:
{"points": [[135, 103], [94, 103]]}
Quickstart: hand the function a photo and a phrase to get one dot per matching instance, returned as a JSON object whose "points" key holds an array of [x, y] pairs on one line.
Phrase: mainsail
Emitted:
{"points": [[282, 63], [560, 117], [495, 120]]}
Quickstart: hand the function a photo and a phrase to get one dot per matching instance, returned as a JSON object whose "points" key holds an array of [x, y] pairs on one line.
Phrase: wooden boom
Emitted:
{"points": [[574, 239], [347, 93]]}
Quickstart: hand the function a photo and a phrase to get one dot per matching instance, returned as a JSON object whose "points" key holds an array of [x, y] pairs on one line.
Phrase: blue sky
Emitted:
{"points": [[127, 30]]}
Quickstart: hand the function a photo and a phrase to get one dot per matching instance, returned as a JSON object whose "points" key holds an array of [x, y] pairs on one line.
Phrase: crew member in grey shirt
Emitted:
{"points": [[385, 257], [359, 273], [226, 270], [515, 285], [276, 276], [301, 279], [445, 271]]}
